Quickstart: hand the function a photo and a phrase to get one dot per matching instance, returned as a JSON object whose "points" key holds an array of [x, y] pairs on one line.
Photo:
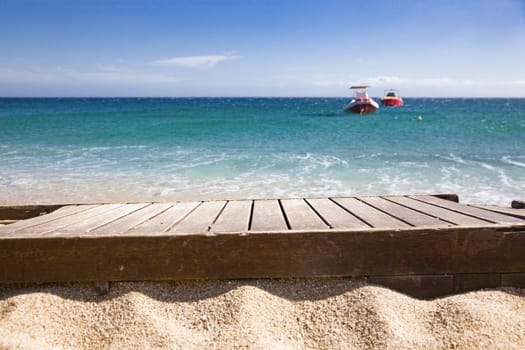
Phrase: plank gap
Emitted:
{"points": [[251, 216], [217, 216], [318, 214], [284, 215]]}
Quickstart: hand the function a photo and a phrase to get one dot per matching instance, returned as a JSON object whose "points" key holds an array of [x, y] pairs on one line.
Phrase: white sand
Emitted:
{"points": [[256, 314]]}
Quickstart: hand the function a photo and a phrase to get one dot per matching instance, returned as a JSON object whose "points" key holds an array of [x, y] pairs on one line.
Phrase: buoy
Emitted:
{"points": [[420, 118]]}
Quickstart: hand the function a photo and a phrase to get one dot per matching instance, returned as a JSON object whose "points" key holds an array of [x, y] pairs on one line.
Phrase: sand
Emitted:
{"points": [[256, 314]]}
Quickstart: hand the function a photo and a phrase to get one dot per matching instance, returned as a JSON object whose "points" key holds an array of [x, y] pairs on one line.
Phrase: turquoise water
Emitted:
{"points": [[84, 150]]}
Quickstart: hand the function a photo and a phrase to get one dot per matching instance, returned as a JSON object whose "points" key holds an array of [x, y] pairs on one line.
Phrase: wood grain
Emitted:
{"points": [[301, 216], [277, 254], [234, 218], [369, 214], [267, 216]]}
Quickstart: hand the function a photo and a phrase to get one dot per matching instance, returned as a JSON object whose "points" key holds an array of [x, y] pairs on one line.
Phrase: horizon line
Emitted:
{"points": [[195, 97]]}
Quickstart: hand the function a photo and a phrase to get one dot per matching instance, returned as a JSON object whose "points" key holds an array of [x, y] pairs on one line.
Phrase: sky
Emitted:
{"points": [[423, 48]]}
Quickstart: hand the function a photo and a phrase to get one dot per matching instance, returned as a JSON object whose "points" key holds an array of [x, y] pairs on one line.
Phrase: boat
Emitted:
{"points": [[391, 98], [361, 103]]}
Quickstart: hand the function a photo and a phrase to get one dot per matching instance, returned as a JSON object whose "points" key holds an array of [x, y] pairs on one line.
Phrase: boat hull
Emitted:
{"points": [[392, 101], [361, 106]]}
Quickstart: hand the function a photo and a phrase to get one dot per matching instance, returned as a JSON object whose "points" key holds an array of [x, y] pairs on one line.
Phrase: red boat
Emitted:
{"points": [[361, 104], [391, 98]]}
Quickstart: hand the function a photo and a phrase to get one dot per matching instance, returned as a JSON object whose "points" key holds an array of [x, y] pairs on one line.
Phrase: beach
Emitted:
{"points": [[256, 314], [139, 150]]}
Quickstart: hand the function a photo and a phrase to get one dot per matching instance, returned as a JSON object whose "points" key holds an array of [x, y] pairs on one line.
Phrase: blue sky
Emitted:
{"points": [[261, 47]]}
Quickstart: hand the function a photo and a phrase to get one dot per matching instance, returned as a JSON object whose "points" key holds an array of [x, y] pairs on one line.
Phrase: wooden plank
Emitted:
{"points": [[57, 214], [300, 216], [201, 219], [369, 214], [234, 218], [54, 225], [126, 223], [165, 220], [442, 213], [464, 282], [448, 196], [519, 213], [386, 252], [267, 216], [405, 214], [336, 216], [518, 204], [465, 209], [97, 221], [22, 212], [513, 280]]}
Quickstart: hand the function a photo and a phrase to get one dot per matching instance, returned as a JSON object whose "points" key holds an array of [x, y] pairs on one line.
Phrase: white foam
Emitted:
{"points": [[509, 160]]}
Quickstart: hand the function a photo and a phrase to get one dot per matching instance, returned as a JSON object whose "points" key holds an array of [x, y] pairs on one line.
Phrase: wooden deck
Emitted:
{"points": [[354, 236]]}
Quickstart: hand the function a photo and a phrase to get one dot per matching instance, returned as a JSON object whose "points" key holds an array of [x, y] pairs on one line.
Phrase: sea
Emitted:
{"points": [[84, 150]]}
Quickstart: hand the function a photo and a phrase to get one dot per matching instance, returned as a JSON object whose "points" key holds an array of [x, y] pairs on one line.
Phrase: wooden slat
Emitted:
{"points": [[55, 225], [166, 219], [450, 250], [267, 216], [201, 219], [519, 213], [465, 209], [518, 204], [442, 213], [126, 223], [336, 216], [234, 218], [57, 214], [301, 216], [22, 212], [405, 214], [370, 215], [94, 222]]}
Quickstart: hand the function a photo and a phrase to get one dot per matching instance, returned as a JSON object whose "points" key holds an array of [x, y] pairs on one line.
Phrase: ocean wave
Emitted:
{"points": [[510, 160]]}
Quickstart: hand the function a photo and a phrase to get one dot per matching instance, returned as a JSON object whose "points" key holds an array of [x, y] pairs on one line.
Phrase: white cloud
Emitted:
{"points": [[197, 61]]}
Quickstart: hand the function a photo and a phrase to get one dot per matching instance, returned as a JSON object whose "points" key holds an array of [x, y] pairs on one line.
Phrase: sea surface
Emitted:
{"points": [[163, 149]]}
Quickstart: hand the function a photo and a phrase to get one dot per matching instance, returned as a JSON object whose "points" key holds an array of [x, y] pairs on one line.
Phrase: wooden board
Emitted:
{"points": [[267, 216], [22, 212], [55, 225], [438, 212], [261, 255], [369, 214], [334, 215], [518, 213], [300, 216], [132, 220], [166, 219], [234, 218], [404, 214], [468, 210], [57, 214], [263, 238], [200, 219], [94, 222]]}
